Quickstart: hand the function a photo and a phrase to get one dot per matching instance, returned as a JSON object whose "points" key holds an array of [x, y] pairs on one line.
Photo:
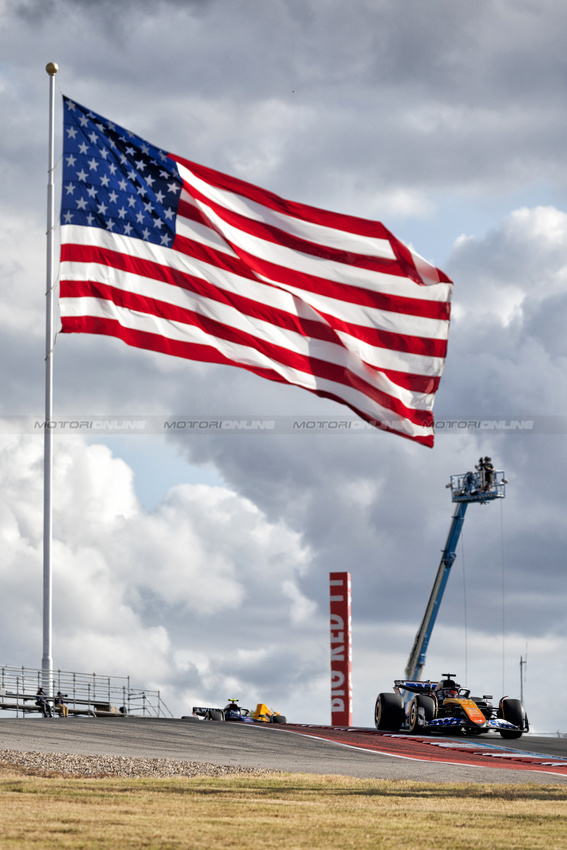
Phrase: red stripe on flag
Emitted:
{"points": [[424, 346], [311, 283], [325, 218], [277, 236], [208, 354], [215, 329]]}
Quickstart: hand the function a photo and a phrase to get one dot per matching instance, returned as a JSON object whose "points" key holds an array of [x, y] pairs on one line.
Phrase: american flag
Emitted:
{"points": [[178, 258]]}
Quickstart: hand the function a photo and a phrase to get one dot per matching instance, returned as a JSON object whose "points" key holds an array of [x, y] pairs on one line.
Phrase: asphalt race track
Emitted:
{"points": [[363, 753]]}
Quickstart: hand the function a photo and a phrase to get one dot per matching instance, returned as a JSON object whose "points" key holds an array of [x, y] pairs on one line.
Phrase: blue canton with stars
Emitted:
{"points": [[114, 180]]}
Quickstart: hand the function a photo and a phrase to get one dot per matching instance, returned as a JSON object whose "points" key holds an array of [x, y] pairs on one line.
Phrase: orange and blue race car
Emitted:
{"points": [[233, 711], [426, 707]]}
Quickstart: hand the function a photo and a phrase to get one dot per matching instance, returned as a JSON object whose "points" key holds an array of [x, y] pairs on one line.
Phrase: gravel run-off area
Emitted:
{"points": [[66, 764]]}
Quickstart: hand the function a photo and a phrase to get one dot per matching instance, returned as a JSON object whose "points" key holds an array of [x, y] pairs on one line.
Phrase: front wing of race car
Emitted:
{"points": [[464, 724]]}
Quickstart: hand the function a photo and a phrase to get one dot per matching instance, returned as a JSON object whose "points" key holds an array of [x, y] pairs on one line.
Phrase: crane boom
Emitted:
{"points": [[484, 485]]}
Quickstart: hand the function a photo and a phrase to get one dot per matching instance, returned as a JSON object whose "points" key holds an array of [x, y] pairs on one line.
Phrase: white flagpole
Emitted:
{"points": [[47, 660]]}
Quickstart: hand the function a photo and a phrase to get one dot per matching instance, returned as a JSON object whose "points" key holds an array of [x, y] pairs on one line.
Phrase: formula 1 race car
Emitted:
{"points": [[233, 711], [425, 707]]}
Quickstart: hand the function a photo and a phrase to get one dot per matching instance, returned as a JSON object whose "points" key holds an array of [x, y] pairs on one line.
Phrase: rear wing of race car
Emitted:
{"points": [[415, 687], [202, 711]]}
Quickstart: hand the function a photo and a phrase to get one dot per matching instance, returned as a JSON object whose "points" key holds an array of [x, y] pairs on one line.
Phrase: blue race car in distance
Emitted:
{"points": [[233, 712], [445, 706]]}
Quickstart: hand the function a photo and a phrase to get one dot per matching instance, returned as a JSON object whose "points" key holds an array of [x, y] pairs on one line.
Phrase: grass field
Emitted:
{"points": [[278, 810]]}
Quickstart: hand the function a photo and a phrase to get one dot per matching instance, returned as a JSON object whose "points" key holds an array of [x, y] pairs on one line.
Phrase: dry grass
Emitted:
{"points": [[291, 811]]}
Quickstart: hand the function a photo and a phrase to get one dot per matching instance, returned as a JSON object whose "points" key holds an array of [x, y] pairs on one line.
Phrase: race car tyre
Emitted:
{"points": [[216, 714], [279, 718], [513, 712], [389, 712], [418, 717]]}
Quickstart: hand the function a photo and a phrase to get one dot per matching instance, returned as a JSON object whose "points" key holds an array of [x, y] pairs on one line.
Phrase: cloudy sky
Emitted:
{"points": [[198, 562]]}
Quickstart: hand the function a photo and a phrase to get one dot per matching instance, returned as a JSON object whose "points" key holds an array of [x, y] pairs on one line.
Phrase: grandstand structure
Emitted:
{"points": [[88, 694]]}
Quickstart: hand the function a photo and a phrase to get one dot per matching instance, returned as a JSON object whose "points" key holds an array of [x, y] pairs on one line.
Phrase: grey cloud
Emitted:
{"points": [[425, 100], [35, 10], [547, 322]]}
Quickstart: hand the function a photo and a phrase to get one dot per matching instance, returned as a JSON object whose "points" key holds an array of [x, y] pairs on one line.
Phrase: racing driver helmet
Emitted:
{"points": [[448, 689]]}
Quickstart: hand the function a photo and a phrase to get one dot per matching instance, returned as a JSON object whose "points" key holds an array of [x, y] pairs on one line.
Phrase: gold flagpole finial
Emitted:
{"points": [[52, 68]]}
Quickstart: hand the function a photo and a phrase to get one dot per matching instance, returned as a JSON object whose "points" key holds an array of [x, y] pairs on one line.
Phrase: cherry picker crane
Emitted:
{"points": [[483, 485], [428, 706]]}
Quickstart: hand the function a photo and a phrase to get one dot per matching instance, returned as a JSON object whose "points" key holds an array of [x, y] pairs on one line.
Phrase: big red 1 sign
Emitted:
{"points": [[341, 683]]}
